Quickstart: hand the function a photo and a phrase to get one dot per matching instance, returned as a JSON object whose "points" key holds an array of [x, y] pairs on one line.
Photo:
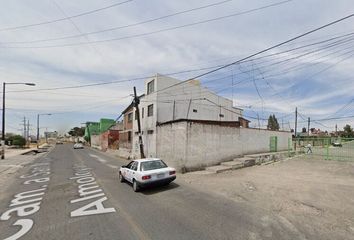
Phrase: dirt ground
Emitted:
{"points": [[313, 197]]}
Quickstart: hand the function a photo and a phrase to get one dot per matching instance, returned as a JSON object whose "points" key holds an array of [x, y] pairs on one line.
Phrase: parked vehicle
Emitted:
{"points": [[336, 144], [78, 146], [147, 172]]}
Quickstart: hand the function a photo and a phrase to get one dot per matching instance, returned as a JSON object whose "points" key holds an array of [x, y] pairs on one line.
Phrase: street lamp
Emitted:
{"points": [[43, 114], [3, 114]]}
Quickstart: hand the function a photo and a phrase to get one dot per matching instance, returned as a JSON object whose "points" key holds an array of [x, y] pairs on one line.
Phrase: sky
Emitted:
{"points": [[115, 44]]}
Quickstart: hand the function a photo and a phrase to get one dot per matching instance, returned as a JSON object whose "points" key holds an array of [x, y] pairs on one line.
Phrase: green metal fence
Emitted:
{"points": [[327, 148]]}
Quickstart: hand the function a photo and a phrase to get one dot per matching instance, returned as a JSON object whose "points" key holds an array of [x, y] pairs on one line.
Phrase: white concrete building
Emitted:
{"points": [[168, 99]]}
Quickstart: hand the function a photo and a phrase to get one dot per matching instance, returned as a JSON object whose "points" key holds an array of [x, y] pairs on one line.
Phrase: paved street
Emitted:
{"points": [[111, 210]]}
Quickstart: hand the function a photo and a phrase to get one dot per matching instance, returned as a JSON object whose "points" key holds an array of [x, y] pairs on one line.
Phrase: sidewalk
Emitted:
{"points": [[12, 152], [14, 161]]}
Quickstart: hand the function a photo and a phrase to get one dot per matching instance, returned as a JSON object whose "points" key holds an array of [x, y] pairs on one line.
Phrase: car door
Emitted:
{"points": [[133, 171], [126, 171]]}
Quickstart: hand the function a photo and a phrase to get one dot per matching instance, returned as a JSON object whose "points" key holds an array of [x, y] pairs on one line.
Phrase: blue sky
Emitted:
{"points": [[319, 83]]}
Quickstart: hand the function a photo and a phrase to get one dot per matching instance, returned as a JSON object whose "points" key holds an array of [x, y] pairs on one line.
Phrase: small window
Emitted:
{"points": [[129, 136], [150, 110], [150, 87], [136, 115], [136, 133], [134, 166], [130, 117], [142, 113], [130, 164], [221, 115], [150, 131], [195, 110]]}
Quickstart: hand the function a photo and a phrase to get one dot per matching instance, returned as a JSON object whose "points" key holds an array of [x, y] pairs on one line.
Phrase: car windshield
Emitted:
{"points": [[151, 165]]}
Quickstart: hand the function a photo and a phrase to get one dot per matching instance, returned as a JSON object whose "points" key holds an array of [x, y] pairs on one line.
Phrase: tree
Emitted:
{"points": [[17, 140], [304, 130], [348, 131], [77, 132], [273, 123]]}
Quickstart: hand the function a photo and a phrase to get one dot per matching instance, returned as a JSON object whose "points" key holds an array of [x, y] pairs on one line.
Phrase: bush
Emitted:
{"points": [[17, 140]]}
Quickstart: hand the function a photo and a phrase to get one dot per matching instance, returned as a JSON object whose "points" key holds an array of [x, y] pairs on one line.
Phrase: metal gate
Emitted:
{"points": [[273, 144], [327, 148]]}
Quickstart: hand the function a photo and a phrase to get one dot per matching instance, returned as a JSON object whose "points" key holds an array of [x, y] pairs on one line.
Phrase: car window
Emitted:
{"points": [[130, 164], [151, 165], [134, 166]]}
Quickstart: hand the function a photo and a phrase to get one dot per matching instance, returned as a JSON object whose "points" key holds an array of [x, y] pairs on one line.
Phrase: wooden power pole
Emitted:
{"points": [[136, 105], [308, 127]]}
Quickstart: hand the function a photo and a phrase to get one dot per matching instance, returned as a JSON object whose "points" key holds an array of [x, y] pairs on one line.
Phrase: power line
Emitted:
{"points": [[180, 72], [277, 45], [260, 52], [65, 18], [120, 27], [153, 32]]}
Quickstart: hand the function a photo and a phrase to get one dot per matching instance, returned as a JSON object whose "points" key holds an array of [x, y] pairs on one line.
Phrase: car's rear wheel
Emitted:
{"points": [[135, 186], [121, 178]]}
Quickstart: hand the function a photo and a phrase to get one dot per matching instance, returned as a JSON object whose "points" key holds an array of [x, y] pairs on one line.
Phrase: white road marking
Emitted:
{"points": [[98, 158], [88, 189], [27, 203], [26, 225], [83, 211]]}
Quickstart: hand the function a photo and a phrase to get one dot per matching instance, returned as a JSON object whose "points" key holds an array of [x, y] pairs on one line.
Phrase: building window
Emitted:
{"points": [[136, 115], [150, 110], [142, 112], [150, 131], [195, 110], [130, 117], [150, 87], [221, 115], [129, 136]]}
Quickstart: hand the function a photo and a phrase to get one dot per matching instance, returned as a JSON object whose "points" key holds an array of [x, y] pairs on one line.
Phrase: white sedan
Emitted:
{"points": [[78, 146], [147, 172]]}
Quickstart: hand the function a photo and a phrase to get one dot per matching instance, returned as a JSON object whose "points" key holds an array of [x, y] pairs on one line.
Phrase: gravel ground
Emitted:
{"points": [[313, 197]]}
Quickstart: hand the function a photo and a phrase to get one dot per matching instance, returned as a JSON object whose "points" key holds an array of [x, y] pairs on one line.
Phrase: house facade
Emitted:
{"points": [[126, 133], [167, 99]]}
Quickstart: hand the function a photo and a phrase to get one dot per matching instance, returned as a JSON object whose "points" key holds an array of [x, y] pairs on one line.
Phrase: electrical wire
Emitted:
{"points": [[149, 33], [179, 72], [120, 27], [65, 18]]}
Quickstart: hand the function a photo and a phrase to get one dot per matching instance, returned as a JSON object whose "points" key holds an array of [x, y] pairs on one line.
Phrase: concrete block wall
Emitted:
{"points": [[95, 141], [188, 145]]}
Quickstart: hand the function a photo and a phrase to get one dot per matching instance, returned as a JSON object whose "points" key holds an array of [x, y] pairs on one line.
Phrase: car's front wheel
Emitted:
{"points": [[135, 186], [121, 178]]}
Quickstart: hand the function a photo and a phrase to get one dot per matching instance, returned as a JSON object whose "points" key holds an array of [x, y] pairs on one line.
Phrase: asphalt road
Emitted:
{"points": [[43, 202]]}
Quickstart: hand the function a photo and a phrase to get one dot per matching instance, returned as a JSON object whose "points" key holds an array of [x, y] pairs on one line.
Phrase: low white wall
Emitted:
{"points": [[95, 141], [187, 145]]}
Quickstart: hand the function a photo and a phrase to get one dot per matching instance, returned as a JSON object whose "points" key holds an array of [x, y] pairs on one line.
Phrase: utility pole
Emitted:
{"points": [[308, 126], [336, 130], [174, 109], [136, 105], [295, 130], [3, 122], [24, 128], [28, 132]]}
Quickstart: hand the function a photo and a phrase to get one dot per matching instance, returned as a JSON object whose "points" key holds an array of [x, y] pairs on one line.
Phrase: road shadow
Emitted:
{"points": [[159, 189]]}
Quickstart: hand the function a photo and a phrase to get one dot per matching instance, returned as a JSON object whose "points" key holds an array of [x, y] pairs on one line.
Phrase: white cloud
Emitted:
{"points": [[186, 48]]}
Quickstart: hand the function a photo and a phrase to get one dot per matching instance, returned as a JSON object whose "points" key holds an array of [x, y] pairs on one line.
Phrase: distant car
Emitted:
{"points": [[336, 144], [147, 172], [59, 142], [78, 146]]}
